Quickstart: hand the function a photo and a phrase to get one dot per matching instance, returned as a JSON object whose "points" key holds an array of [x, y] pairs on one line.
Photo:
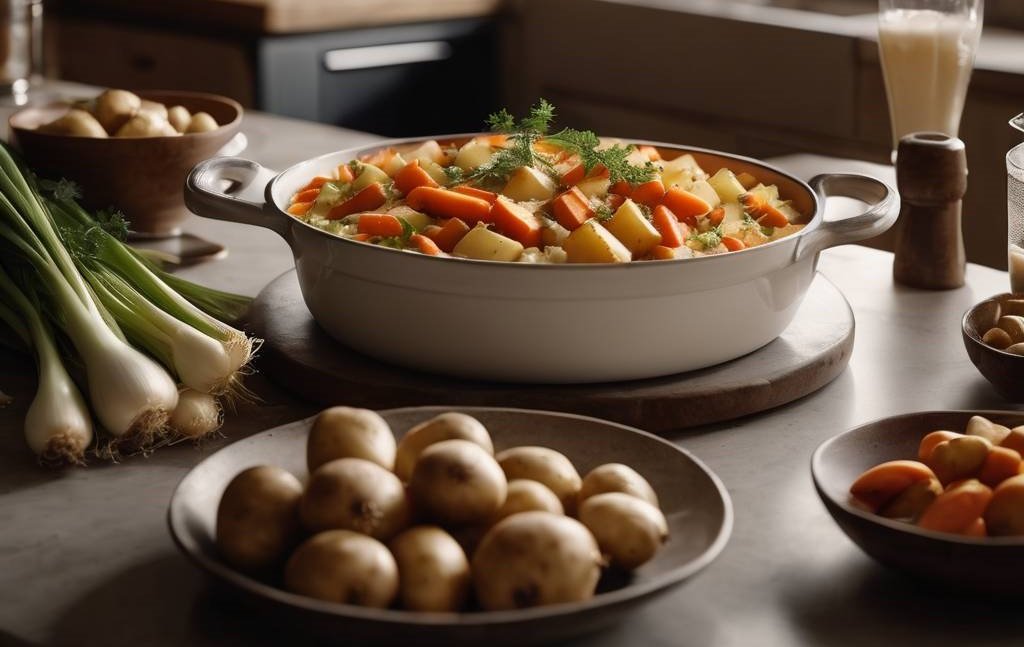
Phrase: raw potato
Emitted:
{"points": [[533, 559], [343, 566], [1004, 515], [616, 477], [346, 432], [77, 123], [913, 501], [179, 117], [544, 466], [146, 124], [115, 107], [433, 571], [158, 109], [990, 431], [525, 496], [628, 530], [257, 518], [959, 458], [447, 426], [355, 494], [201, 122], [458, 482]]}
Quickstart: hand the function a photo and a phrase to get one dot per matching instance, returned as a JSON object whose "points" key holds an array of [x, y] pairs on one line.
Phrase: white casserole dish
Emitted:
{"points": [[522, 322]]}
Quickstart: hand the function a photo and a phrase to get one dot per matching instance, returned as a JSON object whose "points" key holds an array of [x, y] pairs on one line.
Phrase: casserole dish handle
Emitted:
{"points": [[883, 209], [232, 189]]}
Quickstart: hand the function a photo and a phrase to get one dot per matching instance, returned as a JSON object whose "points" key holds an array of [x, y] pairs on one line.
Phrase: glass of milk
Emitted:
{"points": [[927, 49]]}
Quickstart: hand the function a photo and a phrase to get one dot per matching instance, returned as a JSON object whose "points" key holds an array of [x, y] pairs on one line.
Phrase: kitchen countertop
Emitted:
{"points": [[86, 559]]}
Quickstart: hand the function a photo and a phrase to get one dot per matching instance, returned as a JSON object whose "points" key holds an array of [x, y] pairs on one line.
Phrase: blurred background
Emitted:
{"points": [[757, 77]]}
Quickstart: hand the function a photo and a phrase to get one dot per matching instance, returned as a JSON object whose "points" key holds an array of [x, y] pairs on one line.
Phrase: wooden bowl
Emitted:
{"points": [[143, 177], [1005, 371], [986, 564], [694, 501]]}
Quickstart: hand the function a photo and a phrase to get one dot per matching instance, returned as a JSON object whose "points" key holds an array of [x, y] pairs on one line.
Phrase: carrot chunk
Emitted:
{"points": [[716, 216], [663, 253], [412, 176], [369, 198], [425, 245], [956, 509], [474, 192], [668, 226], [648, 193], [345, 173], [622, 188], [379, 224], [300, 208], [448, 235], [733, 244], [880, 484], [576, 174], [685, 205], [762, 211], [448, 204], [516, 222], [315, 183], [571, 209], [306, 196]]}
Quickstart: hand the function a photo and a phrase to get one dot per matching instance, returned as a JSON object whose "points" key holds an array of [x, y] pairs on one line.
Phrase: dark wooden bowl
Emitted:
{"points": [[987, 564], [694, 501], [143, 177], [1005, 371]]}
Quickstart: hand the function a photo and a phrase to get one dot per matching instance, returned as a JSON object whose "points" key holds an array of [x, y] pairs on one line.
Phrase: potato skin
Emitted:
{"points": [[146, 124], [457, 482], [179, 117], [524, 495], [628, 530], [545, 466], [115, 107], [155, 107], [201, 122], [446, 426], [616, 477], [533, 559], [355, 494], [346, 432], [1004, 516], [433, 571], [76, 123], [257, 518], [343, 566]]}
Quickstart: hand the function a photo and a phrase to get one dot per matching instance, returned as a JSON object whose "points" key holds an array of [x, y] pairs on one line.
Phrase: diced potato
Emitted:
{"points": [[417, 219], [330, 195], [395, 164], [473, 154], [726, 185], [553, 234], [483, 244], [368, 174], [594, 187], [632, 229], [733, 212], [592, 243], [555, 254], [428, 151], [527, 183], [705, 192], [435, 171], [682, 179], [681, 172], [747, 180], [787, 209]]}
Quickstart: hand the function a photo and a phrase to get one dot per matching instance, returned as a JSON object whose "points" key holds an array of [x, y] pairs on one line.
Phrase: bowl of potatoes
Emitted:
{"points": [[128, 150], [432, 525], [938, 495]]}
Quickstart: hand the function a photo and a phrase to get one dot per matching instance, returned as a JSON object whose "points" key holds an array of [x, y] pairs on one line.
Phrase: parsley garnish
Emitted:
{"points": [[521, 136], [585, 144], [603, 212], [454, 173], [709, 239]]}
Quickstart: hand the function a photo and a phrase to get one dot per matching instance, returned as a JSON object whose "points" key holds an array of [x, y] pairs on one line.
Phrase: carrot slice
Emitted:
{"points": [[425, 245], [369, 198], [379, 224], [1000, 464], [957, 508], [516, 222], [622, 188], [685, 205], [668, 226], [431, 231], [449, 234], [315, 183], [306, 196], [880, 484], [448, 204], [615, 201], [474, 192], [716, 216], [412, 176], [576, 174], [361, 237], [733, 244], [762, 211], [571, 209], [648, 193], [345, 173], [300, 208]]}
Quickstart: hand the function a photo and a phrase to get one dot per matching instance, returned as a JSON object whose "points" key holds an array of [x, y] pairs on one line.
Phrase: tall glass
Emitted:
{"points": [[1015, 216], [927, 49]]}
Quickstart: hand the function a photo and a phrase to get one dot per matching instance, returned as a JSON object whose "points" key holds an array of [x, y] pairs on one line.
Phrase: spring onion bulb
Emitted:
{"points": [[58, 427], [197, 414]]}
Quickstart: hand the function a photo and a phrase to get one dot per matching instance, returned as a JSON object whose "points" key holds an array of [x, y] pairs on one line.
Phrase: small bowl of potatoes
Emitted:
{"points": [[993, 333], [434, 525], [938, 495], [128, 150]]}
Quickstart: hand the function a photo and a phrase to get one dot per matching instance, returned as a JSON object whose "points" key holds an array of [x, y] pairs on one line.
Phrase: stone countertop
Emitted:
{"points": [[86, 559]]}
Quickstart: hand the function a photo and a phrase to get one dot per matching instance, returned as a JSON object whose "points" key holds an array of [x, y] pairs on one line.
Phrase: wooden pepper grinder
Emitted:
{"points": [[931, 174]]}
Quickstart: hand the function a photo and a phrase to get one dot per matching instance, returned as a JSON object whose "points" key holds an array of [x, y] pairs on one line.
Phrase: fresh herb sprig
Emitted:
{"points": [[585, 144], [521, 136]]}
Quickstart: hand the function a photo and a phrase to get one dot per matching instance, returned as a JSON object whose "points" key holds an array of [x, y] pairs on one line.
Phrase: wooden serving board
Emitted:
{"points": [[815, 348]]}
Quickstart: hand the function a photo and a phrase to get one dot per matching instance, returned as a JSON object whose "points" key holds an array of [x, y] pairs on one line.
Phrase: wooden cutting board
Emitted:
{"points": [[300, 357]]}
